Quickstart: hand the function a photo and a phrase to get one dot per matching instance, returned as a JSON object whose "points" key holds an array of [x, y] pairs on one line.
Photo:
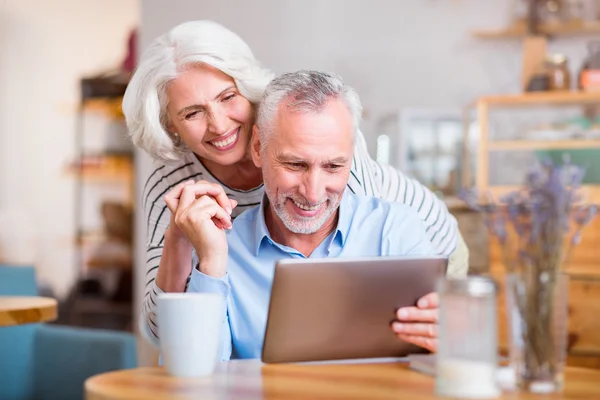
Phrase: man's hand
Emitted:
{"points": [[418, 325]]}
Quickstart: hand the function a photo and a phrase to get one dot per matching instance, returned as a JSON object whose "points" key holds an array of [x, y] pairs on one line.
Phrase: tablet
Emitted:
{"points": [[341, 308]]}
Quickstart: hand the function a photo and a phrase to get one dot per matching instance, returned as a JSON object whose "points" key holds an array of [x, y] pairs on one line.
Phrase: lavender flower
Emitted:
{"points": [[539, 215], [531, 224]]}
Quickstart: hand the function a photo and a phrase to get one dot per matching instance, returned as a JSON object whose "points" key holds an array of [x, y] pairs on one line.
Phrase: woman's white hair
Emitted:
{"points": [[195, 42], [304, 91]]}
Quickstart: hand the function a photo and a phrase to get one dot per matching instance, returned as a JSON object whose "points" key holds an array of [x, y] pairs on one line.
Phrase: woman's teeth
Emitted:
{"points": [[226, 142], [305, 207]]}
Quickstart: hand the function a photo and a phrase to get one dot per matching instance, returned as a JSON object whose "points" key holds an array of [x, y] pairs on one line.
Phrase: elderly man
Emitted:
{"points": [[303, 141]]}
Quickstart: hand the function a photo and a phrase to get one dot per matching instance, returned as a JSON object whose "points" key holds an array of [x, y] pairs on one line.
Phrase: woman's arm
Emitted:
{"points": [[368, 177], [168, 253], [169, 249]]}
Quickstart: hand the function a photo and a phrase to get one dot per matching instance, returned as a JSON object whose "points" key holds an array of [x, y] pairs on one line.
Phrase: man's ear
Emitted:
{"points": [[255, 147]]}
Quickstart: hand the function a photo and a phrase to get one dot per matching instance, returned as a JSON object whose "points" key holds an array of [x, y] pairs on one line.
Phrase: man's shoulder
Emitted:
{"points": [[246, 220], [242, 236], [247, 216], [381, 215], [366, 205], [393, 228]]}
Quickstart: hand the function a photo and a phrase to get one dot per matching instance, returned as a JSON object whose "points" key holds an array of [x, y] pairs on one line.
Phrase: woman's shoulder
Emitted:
{"points": [[186, 167], [163, 176]]}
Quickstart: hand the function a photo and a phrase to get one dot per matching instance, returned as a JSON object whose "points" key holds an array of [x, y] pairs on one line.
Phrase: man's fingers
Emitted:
{"points": [[427, 343], [427, 330], [431, 300], [414, 314]]}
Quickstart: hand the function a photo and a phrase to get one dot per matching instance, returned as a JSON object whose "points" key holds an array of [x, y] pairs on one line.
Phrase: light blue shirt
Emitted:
{"points": [[367, 227]]}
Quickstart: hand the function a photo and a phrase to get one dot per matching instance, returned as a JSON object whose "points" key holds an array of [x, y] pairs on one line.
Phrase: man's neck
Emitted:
{"points": [[303, 243]]}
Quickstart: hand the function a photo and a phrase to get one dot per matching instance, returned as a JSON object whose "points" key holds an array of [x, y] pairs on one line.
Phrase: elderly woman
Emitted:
{"points": [[191, 106]]}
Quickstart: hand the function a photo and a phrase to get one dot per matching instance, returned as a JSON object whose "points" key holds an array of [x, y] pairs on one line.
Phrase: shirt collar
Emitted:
{"points": [[343, 226], [260, 230]]}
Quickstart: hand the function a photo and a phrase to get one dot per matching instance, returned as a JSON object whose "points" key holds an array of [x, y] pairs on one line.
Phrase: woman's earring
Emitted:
{"points": [[177, 139]]}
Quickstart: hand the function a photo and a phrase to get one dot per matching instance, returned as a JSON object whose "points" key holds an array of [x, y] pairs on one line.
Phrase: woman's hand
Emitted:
{"points": [[202, 219], [203, 223], [176, 260], [200, 188]]}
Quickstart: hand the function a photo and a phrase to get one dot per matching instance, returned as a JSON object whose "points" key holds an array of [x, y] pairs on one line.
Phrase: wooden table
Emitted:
{"points": [[17, 310], [250, 379]]}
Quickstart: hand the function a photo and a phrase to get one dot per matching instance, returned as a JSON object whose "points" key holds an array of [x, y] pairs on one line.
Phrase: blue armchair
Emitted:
{"points": [[39, 361]]}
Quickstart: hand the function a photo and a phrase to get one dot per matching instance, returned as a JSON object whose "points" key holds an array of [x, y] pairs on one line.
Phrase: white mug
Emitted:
{"points": [[189, 326]]}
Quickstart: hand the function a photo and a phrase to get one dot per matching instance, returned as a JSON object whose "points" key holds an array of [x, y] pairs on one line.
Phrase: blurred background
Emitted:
{"points": [[456, 93]]}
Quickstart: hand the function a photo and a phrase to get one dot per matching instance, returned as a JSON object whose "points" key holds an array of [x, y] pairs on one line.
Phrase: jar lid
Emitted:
{"points": [[478, 286], [556, 59]]}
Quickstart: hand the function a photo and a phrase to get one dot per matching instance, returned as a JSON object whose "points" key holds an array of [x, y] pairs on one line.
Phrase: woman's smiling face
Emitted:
{"points": [[210, 115]]}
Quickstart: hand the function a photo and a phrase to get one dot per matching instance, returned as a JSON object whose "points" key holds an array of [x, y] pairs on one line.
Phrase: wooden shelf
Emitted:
{"points": [[104, 168], [515, 145], [541, 98], [590, 193], [87, 238], [100, 174], [576, 271], [108, 106], [107, 175], [555, 29]]}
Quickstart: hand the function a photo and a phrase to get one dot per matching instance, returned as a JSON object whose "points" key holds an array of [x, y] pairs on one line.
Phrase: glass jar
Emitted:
{"points": [[550, 11], [589, 75], [557, 70], [538, 317], [467, 352]]}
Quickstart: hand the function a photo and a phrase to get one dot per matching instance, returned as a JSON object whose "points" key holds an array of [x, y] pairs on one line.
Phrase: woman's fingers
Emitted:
{"points": [[191, 196], [201, 188], [206, 207], [172, 198], [207, 236]]}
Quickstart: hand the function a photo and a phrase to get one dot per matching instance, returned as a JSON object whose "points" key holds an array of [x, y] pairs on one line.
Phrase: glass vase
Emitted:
{"points": [[537, 310]]}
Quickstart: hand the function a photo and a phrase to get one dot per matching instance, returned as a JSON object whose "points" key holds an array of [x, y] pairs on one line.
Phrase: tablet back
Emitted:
{"points": [[341, 308]]}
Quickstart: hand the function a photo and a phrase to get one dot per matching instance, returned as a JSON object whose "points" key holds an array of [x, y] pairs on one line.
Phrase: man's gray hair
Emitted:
{"points": [[304, 91]]}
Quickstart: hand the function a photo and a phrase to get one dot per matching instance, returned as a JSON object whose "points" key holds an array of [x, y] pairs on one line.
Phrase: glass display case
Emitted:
{"points": [[517, 130], [426, 144]]}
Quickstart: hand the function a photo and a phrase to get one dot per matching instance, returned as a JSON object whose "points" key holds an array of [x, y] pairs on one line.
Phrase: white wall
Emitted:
{"points": [[396, 53], [45, 47]]}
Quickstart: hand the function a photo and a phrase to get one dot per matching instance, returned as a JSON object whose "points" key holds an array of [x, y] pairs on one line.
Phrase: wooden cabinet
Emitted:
{"points": [[520, 30], [492, 143], [584, 265], [104, 176]]}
